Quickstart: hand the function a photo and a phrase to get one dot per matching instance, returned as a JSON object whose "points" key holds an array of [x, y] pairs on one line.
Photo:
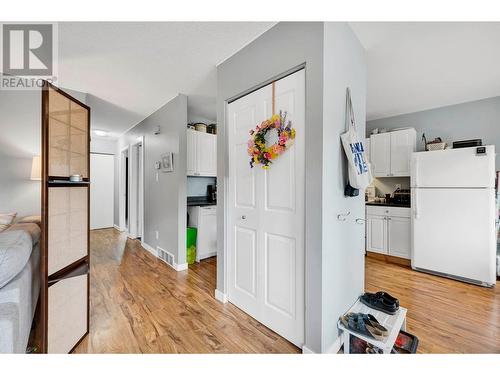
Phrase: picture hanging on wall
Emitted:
{"points": [[167, 162]]}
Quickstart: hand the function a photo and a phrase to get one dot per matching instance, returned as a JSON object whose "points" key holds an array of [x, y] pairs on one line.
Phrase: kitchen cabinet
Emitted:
{"points": [[205, 220], [388, 231], [376, 234], [390, 153], [201, 154]]}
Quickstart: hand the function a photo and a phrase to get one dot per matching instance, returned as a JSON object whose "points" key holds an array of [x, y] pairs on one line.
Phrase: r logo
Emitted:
{"points": [[27, 49]]}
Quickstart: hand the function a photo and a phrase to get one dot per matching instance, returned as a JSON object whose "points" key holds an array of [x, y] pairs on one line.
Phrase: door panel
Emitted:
{"points": [[266, 214], [191, 152], [206, 153], [401, 148], [453, 232], [376, 234], [102, 191], [280, 269], [453, 168], [399, 241], [380, 154], [245, 260]]}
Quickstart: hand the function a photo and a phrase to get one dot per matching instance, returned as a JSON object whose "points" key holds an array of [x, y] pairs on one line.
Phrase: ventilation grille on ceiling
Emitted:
{"points": [[166, 256]]}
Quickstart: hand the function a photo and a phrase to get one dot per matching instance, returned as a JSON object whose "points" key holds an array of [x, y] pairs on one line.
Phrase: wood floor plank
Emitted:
{"points": [[447, 316], [138, 304], [141, 305]]}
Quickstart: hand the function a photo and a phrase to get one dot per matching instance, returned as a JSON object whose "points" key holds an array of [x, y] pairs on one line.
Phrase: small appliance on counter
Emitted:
{"points": [[212, 192], [468, 143], [401, 197]]}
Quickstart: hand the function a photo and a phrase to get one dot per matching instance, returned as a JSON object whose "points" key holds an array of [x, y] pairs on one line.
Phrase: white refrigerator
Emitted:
{"points": [[453, 213]]}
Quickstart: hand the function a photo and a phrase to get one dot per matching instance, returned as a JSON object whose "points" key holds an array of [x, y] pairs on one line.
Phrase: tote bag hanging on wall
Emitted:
{"points": [[360, 175]]}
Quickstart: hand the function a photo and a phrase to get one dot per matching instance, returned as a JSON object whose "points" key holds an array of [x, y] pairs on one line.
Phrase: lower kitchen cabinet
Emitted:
{"points": [[388, 231], [205, 220], [399, 236], [376, 234]]}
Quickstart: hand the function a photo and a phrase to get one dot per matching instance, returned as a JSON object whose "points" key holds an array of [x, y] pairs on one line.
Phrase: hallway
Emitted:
{"points": [[138, 304]]}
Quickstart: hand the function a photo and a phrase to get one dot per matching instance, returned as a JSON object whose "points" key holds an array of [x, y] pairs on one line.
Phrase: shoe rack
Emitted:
{"points": [[65, 221]]}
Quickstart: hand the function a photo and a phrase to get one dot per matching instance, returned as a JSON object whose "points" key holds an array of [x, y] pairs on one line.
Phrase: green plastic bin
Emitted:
{"points": [[191, 245]]}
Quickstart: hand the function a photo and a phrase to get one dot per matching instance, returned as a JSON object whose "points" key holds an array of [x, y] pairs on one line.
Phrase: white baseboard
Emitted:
{"points": [[149, 248], [219, 296], [335, 347], [181, 267], [306, 350], [117, 228]]}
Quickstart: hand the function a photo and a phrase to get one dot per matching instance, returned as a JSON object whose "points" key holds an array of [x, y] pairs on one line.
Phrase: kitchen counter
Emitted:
{"points": [[200, 201], [387, 204]]}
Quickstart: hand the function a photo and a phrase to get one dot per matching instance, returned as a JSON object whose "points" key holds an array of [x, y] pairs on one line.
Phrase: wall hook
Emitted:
{"points": [[360, 221], [342, 217]]}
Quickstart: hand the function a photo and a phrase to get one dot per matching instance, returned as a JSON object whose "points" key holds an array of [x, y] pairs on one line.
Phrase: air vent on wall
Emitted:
{"points": [[166, 256]]}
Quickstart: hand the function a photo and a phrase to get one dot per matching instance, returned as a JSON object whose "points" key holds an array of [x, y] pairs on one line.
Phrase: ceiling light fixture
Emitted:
{"points": [[100, 133]]}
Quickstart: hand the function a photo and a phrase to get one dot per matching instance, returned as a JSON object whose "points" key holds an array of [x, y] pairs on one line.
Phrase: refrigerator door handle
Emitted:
{"points": [[415, 172], [416, 211]]}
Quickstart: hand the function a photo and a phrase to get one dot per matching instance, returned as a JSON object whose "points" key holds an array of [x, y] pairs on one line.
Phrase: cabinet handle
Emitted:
{"points": [[360, 221], [243, 217]]}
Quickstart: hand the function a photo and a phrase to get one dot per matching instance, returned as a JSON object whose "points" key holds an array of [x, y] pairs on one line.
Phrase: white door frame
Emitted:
{"points": [[219, 295], [136, 189], [121, 190]]}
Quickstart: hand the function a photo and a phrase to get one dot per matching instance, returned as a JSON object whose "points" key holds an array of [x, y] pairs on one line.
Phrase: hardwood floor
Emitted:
{"points": [[138, 304], [447, 316], [141, 305]]}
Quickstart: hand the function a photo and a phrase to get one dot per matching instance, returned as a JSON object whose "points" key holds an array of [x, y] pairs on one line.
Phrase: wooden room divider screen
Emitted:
{"points": [[65, 221]]}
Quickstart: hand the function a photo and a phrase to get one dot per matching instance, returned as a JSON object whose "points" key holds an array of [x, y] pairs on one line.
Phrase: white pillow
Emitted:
{"points": [[6, 220]]}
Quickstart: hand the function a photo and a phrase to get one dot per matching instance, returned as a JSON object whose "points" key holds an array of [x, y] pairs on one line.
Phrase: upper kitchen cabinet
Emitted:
{"points": [[201, 154], [390, 153]]}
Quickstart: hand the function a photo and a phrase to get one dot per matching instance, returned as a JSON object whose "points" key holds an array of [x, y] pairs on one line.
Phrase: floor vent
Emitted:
{"points": [[166, 257]]}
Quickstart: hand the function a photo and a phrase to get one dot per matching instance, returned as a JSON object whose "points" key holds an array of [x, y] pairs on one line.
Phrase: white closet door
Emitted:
{"points": [[266, 214], [101, 190]]}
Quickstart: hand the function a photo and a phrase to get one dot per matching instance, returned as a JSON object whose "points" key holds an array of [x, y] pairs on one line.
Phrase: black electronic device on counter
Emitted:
{"points": [[468, 143]]}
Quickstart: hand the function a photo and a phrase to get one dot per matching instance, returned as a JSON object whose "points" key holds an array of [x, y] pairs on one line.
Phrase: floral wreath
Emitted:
{"points": [[258, 151]]}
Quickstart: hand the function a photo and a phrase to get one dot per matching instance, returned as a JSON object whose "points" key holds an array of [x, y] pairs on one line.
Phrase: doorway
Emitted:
{"points": [[124, 189], [102, 190], [266, 213], [136, 189]]}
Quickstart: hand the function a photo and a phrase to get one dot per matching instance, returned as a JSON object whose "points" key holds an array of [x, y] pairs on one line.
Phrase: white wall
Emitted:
{"points": [[20, 140], [343, 241]]}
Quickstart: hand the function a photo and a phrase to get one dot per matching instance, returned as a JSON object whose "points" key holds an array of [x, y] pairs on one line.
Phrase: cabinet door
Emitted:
{"points": [[399, 233], [206, 154], [380, 154], [402, 145], [207, 233], [191, 153], [376, 234]]}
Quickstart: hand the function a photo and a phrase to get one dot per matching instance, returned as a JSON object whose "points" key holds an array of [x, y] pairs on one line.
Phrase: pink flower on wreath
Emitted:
{"points": [[267, 155], [283, 138], [277, 149]]}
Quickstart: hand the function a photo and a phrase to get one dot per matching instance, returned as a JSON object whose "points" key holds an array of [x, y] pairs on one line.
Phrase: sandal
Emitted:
{"points": [[379, 303], [388, 298], [357, 323], [371, 320]]}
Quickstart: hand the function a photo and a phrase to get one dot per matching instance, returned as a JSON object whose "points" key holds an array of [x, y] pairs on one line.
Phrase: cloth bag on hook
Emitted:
{"points": [[360, 175]]}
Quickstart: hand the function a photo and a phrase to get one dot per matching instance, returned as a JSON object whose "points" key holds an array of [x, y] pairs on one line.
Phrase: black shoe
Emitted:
{"points": [[379, 303], [388, 298]]}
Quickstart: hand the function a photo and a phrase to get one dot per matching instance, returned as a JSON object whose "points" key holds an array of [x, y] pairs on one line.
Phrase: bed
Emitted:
{"points": [[19, 295]]}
